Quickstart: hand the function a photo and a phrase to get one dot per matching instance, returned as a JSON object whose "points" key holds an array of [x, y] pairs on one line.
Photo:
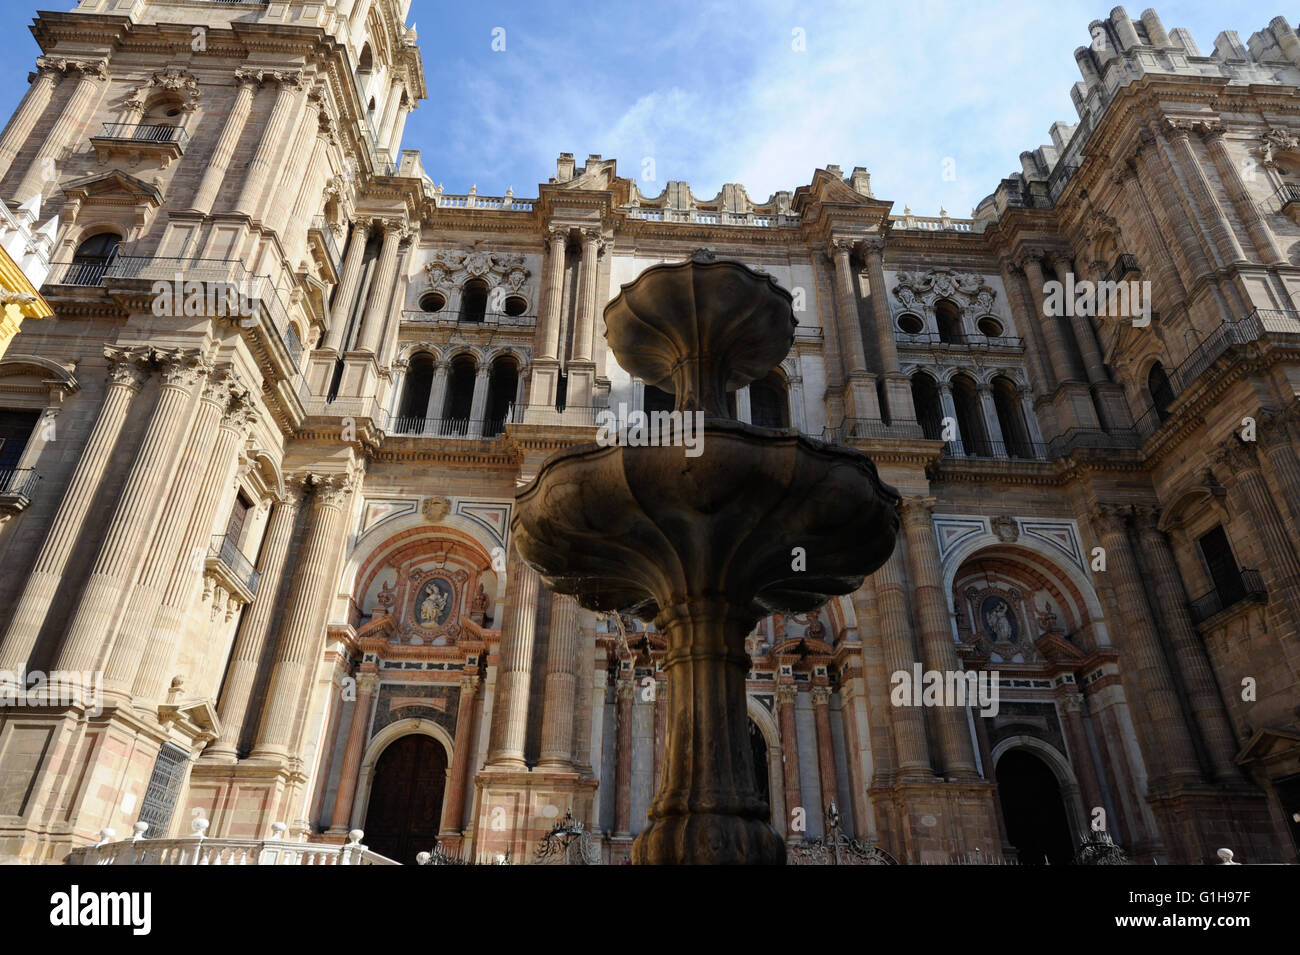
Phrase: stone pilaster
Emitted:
{"points": [[122, 552], [548, 327], [214, 174], [624, 691], [1261, 236], [251, 201], [462, 760], [127, 370], [821, 701], [294, 176], [304, 616], [341, 309], [90, 84], [35, 102], [1162, 263], [952, 731], [907, 722], [861, 398], [1058, 352], [381, 289], [561, 685], [1084, 334], [1216, 223], [1070, 703], [585, 328]]}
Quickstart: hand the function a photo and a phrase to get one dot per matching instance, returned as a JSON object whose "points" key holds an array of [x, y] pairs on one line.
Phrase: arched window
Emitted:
{"points": [[473, 301], [929, 407], [970, 417], [365, 67], [1162, 393], [92, 258], [502, 387], [947, 317], [460, 396], [415, 393], [1011, 418], [769, 404]]}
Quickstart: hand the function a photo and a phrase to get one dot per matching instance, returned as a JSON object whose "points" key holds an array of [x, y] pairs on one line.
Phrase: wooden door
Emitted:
{"points": [[405, 806]]}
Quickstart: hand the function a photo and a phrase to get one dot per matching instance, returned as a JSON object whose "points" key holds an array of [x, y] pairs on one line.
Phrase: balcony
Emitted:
{"points": [[997, 450], [1288, 198], [1248, 586], [17, 485], [970, 342], [463, 320], [474, 201], [321, 232], [873, 428], [1125, 265], [199, 850], [232, 570], [140, 141]]}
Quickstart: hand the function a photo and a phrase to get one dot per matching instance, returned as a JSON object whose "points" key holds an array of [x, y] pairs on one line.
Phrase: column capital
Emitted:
{"points": [[821, 695], [331, 490], [182, 367], [367, 682], [363, 223], [127, 366], [1176, 129], [557, 234], [1111, 518], [917, 509], [469, 684], [89, 69], [1070, 701], [1059, 257], [873, 246], [1146, 518], [1124, 173], [787, 693], [1029, 258], [625, 688], [1234, 457], [294, 492], [1271, 428], [1210, 132], [248, 78]]}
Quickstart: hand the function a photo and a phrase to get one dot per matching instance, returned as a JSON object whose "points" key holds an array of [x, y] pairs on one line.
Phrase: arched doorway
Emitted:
{"points": [[405, 807], [1033, 809]]}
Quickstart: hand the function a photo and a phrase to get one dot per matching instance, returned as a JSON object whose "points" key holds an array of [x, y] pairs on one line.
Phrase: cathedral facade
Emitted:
{"points": [[260, 465]]}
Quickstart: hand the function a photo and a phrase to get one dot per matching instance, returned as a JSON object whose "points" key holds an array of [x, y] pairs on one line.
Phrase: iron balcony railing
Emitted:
{"points": [[82, 271], [873, 428], [226, 549], [466, 318], [1287, 193], [973, 341], [145, 133], [293, 345], [1248, 585], [997, 450], [1125, 265], [20, 481]]}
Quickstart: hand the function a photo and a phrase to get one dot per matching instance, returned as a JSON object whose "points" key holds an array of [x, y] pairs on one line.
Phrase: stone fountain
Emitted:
{"points": [[760, 521]]}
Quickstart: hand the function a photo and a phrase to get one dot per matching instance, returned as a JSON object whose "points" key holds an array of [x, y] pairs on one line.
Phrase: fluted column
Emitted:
{"points": [[367, 685], [93, 78], [1157, 180], [907, 722], [127, 370], [478, 403], [582, 730], [510, 707], [1163, 264], [1071, 707], [786, 695], [548, 332], [1058, 353], [391, 103], [1040, 369], [886, 343], [584, 331], [381, 289], [147, 593], [462, 760], [1261, 236], [437, 394], [153, 675], [122, 552], [624, 691], [341, 309], [35, 102], [1196, 676], [214, 174], [1084, 335], [846, 308], [989, 412], [956, 754], [1278, 444], [561, 685], [821, 701], [250, 641], [295, 172], [1216, 223], [660, 731], [265, 157], [1169, 748], [304, 616]]}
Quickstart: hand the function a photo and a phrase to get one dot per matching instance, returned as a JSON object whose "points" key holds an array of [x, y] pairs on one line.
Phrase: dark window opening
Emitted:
{"points": [[769, 406], [502, 387], [16, 429], [990, 327], [910, 324], [1222, 566], [460, 396], [1011, 419], [929, 407], [516, 305], [970, 417], [1162, 393], [415, 393], [473, 302], [948, 318], [433, 302]]}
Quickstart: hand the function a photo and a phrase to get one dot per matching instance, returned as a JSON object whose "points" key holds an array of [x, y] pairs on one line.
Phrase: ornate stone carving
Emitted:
{"points": [[182, 368], [331, 490], [916, 290], [1005, 529], [127, 366], [787, 693], [451, 268], [1275, 141], [435, 508]]}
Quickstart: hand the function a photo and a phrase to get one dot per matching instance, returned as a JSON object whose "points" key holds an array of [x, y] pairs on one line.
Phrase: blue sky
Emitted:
{"points": [[715, 92]]}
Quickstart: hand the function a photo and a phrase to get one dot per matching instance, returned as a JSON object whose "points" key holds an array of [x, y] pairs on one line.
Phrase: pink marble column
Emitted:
{"points": [[624, 691], [462, 760], [786, 695], [367, 685]]}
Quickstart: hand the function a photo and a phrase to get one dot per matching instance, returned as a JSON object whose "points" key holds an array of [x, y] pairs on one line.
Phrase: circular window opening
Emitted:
{"points": [[910, 324], [174, 111], [433, 302], [990, 327], [515, 305]]}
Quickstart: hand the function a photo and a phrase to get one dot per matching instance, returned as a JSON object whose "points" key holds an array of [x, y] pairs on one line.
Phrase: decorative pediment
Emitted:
{"points": [[452, 268], [920, 289], [115, 187], [1269, 744]]}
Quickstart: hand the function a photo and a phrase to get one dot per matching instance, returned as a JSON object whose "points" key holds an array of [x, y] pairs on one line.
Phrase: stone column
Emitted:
{"points": [[1261, 236], [989, 411], [1070, 704], [1216, 223], [846, 309], [1040, 370], [821, 700], [35, 102], [548, 327], [121, 553], [561, 686], [367, 686], [1058, 353], [510, 709], [393, 310], [907, 722], [153, 676], [127, 370], [381, 289], [341, 310], [250, 641], [584, 331], [304, 616], [214, 174], [437, 395], [1164, 264], [660, 731], [390, 115], [952, 730], [462, 760], [250, 201], [295, 172], [1277, 443], [1157, 181], [1084, 335], [950, 411], [886, 343], [582, 707], [624, 690], [1168, 746], [94, 75], [786, 695], [147, 594], [478, 404], [1195, 673]]}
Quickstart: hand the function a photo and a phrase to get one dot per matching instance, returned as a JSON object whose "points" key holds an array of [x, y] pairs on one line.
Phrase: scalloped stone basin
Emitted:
{"points": [[704, 547]]}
